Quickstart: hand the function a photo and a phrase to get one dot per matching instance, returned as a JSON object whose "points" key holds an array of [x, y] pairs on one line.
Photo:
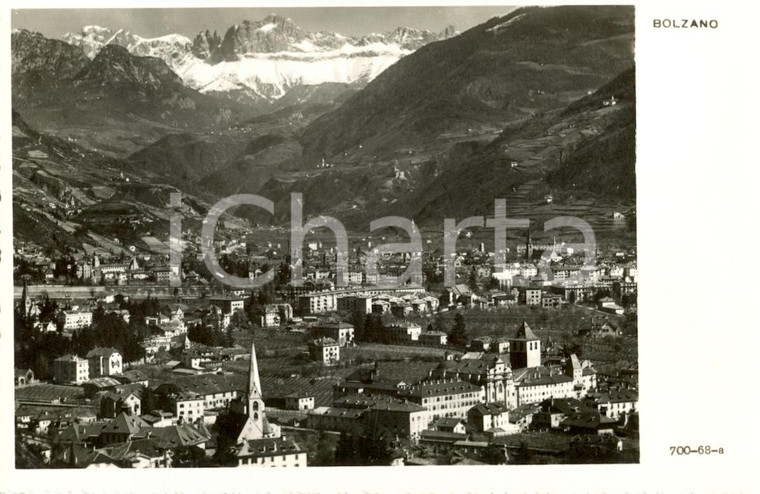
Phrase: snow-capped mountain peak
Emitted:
{"points": [[266, 57], [93, 38]]}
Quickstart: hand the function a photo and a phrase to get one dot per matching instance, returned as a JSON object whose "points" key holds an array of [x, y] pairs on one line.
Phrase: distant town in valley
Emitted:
{"points": [[125, 359]]}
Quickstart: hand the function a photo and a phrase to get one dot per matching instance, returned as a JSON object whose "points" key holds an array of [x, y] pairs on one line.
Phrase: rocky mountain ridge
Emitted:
{"points": [[265, 58]]}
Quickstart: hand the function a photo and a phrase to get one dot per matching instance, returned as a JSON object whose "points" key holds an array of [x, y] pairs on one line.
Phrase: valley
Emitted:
{"points": [[157, 306], [456, 122]]}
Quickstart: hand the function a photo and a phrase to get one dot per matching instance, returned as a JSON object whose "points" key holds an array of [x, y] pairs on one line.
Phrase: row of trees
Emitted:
{"points": [[36, 348], [140, 309], [111, 330], [211, 336]]}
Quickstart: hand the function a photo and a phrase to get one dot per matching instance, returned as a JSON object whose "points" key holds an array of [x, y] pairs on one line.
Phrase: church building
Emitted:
{"points": [[246, 438], [524, 348]]}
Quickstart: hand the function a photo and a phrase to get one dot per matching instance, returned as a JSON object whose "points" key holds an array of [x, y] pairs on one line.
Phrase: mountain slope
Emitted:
{"points": [[114, 103], [243, 158], [264, 157], [603, 165], [115, 72], [39, 65], [68, 196], [185, 158], [583, 156], [507, 69], [573, 161]]}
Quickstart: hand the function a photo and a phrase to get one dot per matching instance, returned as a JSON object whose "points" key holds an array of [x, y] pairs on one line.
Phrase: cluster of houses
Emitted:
{"points": [[127, 429], [560, 278], [168, 325], [516, 284], [552, 296], [91, 269], [470, 401], [470, 398], [398, 300]]}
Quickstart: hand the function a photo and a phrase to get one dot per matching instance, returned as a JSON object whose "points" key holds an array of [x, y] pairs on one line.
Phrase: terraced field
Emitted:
{"points": [[49, 393], [521, 203]]}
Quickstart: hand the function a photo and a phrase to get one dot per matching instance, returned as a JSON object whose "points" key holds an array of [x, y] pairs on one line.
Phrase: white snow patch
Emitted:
{"points": [[501, 26], [97, 29], [278, 75], [114, 36], [305, 45]]}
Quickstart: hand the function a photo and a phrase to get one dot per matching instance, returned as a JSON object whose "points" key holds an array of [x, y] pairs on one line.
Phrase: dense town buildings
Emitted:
{"points": [[482, 390]]}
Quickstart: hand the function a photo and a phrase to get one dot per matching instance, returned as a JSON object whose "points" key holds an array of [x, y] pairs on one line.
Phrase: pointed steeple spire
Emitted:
{"points": [[26, 301], [254, 384], [256, 424]]}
